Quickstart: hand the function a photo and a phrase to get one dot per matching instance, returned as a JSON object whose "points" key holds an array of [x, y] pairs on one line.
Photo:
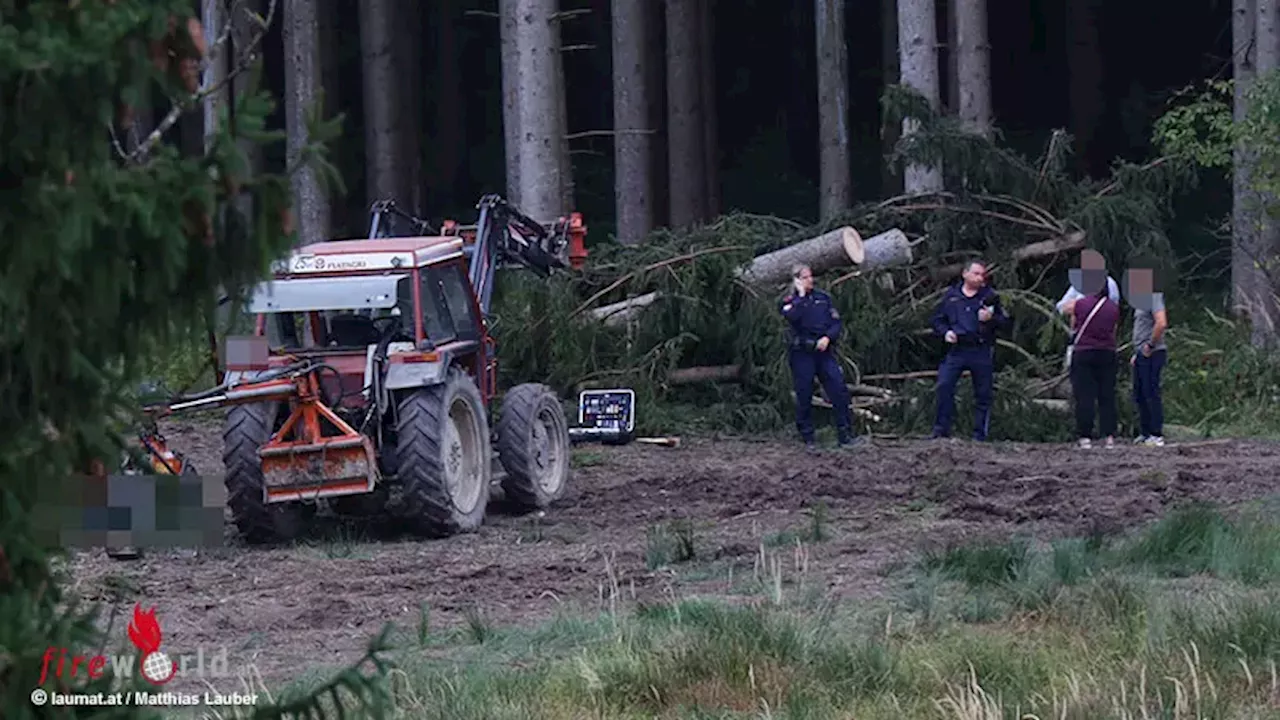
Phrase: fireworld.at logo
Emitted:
{"points": [[144, 632]]}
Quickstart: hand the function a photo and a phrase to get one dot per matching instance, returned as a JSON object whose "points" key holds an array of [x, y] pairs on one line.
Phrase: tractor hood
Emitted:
{"points": [[378, 292]]}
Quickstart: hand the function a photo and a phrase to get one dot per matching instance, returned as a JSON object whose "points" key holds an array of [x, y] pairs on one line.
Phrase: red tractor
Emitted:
{"points": [[380, 377]]}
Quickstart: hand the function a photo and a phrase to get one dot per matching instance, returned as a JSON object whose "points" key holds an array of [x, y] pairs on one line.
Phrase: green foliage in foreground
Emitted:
{"points": [[1180, 621], [102, 257]]}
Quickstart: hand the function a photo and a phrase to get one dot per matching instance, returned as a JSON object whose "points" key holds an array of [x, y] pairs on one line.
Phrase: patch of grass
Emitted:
{"points": [[586, 458], [341, 541], [987, 562], [1198, 539], [816, 530], [478, 629], [697, 658], [1149, 626], [670, 543]]}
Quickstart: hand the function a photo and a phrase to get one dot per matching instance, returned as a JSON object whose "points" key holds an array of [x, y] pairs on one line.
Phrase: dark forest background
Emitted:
{"points": [[1080, 66]]}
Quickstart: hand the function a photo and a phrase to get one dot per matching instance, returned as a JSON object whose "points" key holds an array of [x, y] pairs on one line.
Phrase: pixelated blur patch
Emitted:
{"points": [[1087, 282], [245, 353], [131, 511]]}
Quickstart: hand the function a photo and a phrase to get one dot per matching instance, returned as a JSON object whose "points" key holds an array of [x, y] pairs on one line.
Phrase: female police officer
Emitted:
{"points": [[815, 328]]}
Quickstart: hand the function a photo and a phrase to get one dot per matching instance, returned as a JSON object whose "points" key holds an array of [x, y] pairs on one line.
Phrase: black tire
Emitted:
{"points": [[246, 430], [533, 446], [443, 457]]}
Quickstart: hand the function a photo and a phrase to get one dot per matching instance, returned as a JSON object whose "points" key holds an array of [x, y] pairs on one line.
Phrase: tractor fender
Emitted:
{"points": [[402, 376]]}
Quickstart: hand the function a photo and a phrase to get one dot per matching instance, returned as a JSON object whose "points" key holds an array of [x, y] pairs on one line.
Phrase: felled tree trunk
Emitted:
{"points": [[837, 248], [887, 249]]}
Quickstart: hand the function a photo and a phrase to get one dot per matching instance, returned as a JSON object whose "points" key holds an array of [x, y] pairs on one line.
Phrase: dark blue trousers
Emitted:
{"points": [[980, 362], [804, 366], [1146, 393]]}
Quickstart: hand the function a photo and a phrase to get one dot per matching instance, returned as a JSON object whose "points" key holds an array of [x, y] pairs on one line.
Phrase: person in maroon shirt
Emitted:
{"points": [[1095, 320]]}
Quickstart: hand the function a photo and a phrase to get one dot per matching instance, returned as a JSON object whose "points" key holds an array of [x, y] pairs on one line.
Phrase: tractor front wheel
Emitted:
{"points": [[247, 429], [533, 446], [442, 457]]}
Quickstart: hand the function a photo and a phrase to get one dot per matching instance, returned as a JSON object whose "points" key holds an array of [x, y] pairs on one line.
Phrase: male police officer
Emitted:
{"points": [[815, 328], [967, 319]]}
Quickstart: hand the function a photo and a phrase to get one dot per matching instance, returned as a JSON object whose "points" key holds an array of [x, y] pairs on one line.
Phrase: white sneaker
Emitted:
{"points": [[1154, 441], [1085, 443], [1110, 443], [1140, 440]]}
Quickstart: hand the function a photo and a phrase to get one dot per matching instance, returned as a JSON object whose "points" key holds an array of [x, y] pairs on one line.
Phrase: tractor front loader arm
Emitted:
{"points": [[315, 453]]}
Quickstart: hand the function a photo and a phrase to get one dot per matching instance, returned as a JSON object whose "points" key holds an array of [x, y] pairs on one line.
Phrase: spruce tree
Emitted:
{"points": [[107, 251]]}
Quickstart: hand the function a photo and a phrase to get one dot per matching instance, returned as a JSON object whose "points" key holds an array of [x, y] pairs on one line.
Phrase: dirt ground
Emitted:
{"points": [[315, 604]]}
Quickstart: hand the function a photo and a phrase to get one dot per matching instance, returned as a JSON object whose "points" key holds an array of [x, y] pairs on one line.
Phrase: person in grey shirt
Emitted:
{"points": [[1149, 351]]}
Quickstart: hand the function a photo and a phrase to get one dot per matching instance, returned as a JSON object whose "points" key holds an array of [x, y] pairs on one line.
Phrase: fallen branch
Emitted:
{"points": [[619, 312], [1054, 404], [858, 411], [647, 268], [830, 250], [914, 375], [705, 373], [1036, 250]]}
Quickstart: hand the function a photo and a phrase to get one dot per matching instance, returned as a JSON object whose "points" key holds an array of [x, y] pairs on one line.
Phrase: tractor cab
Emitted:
{"points": [[352, 301]]}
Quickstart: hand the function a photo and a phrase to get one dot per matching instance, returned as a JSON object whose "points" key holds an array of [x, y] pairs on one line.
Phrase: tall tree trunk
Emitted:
{"points": [[1084, 62], [243, 29], [213, 17], [540, 148], [973, 66], [1244, 216], [835, 185], [633, 177], [710, 115], [510, 96], [302, 83], [449, 140], [1266, 247], [565, 155], [655, 44], [686, 161], [385, 157], [918, 63], [951, 61], [890, 182], [407, 17]]}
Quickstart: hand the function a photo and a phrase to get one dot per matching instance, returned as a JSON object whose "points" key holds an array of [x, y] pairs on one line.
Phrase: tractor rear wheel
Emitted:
{"points": [[246, 430], [533, 446], [443, 457]]}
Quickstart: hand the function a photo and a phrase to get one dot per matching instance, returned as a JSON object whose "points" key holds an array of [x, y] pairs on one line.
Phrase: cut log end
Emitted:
{"points": [[853, 245]]}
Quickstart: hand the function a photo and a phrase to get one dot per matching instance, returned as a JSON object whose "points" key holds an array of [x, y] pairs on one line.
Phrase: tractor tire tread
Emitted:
{"points": [[425, 502], [245, 429], [519, 412]]}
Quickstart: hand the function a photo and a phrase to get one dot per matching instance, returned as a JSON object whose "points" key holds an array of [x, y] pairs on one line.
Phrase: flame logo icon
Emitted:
{"points": [[144, 632]]}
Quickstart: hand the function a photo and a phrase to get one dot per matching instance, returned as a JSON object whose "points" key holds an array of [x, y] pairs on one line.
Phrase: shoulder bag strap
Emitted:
{"points": [[1097, 306]]}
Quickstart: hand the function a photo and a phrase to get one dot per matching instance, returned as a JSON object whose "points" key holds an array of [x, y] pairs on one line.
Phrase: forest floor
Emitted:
{"points": [[645, 568]]}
